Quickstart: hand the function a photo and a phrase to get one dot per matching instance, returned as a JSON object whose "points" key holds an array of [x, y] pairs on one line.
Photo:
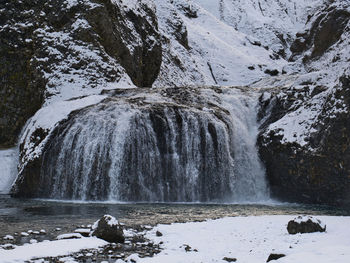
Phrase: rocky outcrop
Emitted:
{"points": [[305, 131], [21, 84], [303, 225], [326, 29], [50, 48], [310, 164]]}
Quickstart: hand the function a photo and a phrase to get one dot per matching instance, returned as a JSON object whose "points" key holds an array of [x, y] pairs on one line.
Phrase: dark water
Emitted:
{"points": [[18, 215]]}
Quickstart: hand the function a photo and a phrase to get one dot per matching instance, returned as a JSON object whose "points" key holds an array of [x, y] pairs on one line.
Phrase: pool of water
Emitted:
{"points": [[18, 215]]}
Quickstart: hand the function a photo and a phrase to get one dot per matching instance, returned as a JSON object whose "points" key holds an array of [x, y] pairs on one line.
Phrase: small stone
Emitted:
{"points": [[8, 246], [24, 234], [229, 259], [159, 234], [83, 231], [8, 237], [275, 257], [188, 248], [69, 236]]}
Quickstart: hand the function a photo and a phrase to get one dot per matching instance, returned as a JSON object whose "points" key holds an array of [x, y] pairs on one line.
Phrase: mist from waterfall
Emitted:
{"points": [[157, 152], [8, 171]]}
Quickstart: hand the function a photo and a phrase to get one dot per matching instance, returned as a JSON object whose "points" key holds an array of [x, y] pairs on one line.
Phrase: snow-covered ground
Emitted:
{"points": [[252, 239], [246, 239], [49, 249]]}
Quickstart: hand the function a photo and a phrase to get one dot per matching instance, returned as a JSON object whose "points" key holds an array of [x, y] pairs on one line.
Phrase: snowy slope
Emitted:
{"points": [[227, 37], [273, 23]]}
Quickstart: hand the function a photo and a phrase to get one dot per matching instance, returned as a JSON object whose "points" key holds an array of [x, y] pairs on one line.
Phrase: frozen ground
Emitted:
{"points": [[49, 249], [247, 239], [252, 239]]}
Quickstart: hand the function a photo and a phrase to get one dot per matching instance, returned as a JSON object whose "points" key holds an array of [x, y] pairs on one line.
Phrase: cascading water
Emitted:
{"points": [[8, 171], [151, 149]]}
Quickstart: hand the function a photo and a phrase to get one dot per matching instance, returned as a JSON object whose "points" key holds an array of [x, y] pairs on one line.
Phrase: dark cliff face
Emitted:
{"points": [[40, 48], [319, 171], [21, 85], [325, 31], [310, 161]]}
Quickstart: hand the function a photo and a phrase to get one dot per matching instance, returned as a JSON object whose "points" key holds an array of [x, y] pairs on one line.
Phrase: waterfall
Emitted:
{"points": [[136, 150], [8, 171]]}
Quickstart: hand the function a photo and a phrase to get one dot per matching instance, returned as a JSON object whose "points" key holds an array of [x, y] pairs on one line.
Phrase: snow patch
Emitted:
{"points": [[46, 119], [49, 249]]}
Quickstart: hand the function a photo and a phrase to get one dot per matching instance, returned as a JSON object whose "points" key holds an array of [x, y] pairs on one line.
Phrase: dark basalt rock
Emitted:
{"points": [[305, 225], [143, 62], [272, 72], [109, 229], [274, 257], [21, 84], [230, 259], [25, 31], [319, 171], [325, 31]]}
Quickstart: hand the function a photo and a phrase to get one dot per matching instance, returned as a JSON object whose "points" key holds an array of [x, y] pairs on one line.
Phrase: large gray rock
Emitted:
{"points": [[307, 224], [108, 228]]}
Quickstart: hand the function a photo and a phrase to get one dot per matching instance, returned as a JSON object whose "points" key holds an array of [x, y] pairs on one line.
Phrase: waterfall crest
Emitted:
{"points": [[151, 149]]}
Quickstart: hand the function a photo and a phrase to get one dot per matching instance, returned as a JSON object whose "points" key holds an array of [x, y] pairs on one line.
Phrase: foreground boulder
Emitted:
{"points": [[307, 224], [108, 228]]}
